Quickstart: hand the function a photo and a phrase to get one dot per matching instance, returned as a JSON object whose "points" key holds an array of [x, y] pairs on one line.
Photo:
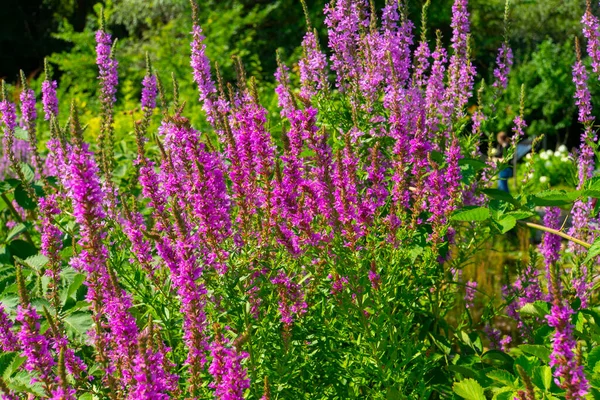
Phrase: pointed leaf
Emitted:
{"points": [[469, 389]]}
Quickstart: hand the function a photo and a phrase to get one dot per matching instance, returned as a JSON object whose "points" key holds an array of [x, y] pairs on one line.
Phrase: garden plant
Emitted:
{"points": [[315, 255]]}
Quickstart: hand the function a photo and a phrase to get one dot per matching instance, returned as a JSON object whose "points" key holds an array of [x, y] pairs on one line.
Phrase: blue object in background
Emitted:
{"points": [[505, 174]]}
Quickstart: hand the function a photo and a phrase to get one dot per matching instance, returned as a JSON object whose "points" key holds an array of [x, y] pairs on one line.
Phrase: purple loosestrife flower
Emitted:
{"points": [[504, 62], [422, 54], [347, 203], [504, 343], [470, 291], [461, 72], [397, 41], [344, 20], [117, 344], [291, 298], [14, 150], [149, 93], [435, 91], [204, 187], [51, 244], [28, 111], [582, 209], [591, 32], [107, 66], [49, 99], [313, 67], [152, 381], [134, 227], [202, 75], [550, 247], [61, 393], [35, 346], [230, 377], [453, 175], [568, 373], [8, 340], [526, 289], [73, 364], [518, 128]]}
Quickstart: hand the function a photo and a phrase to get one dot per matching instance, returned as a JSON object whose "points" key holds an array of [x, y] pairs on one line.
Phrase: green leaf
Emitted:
{"points": [[79, 322], [28, 172], [593, 357], [507, 222], [502, 376], [536, 309], [593, 251], [501, 195], [23, 199], [498, 355], [476, 164], [555, 198], [541, 352], [6, 358], [15, 231], [36, 262], [21, 134], [521, 214], [542, 377], [471, 214], [469, 389]]}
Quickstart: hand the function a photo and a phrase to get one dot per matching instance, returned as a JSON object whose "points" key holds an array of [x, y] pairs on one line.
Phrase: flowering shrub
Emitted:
{"points": [[320, 264]]}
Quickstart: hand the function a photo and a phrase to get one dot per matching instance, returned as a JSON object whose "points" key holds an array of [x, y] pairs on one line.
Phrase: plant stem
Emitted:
{"points": [[557, 232]]}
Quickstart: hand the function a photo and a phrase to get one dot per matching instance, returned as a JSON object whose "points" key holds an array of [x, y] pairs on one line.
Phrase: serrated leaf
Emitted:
{"points": [[79, 322], [28, 172], [6, 358], [469, 389], [36, 262], [13, 366], [555, 198], [471, 214], [541, 352], [593, 357], [502, 376], [537, 309]]}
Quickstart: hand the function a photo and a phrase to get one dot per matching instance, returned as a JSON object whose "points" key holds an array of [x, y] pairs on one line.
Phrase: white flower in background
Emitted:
{"points": [[565, 159], [562, 149], [530, 176], [549, 152], [544, 155], [528, 156], [548, 164], [543, 179]]}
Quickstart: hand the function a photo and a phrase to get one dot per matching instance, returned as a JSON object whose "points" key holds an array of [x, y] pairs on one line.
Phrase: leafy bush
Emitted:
{"points": [[222, 251]]}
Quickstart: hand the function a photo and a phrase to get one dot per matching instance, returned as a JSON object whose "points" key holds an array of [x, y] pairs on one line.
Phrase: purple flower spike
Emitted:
{"points": [[230, 377], [107, 66], [149, 93], [504, 62], [49, 99]]}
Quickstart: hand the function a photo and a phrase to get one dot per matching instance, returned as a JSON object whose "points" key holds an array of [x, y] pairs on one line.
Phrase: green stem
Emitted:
{"points": [[557, 232]]}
